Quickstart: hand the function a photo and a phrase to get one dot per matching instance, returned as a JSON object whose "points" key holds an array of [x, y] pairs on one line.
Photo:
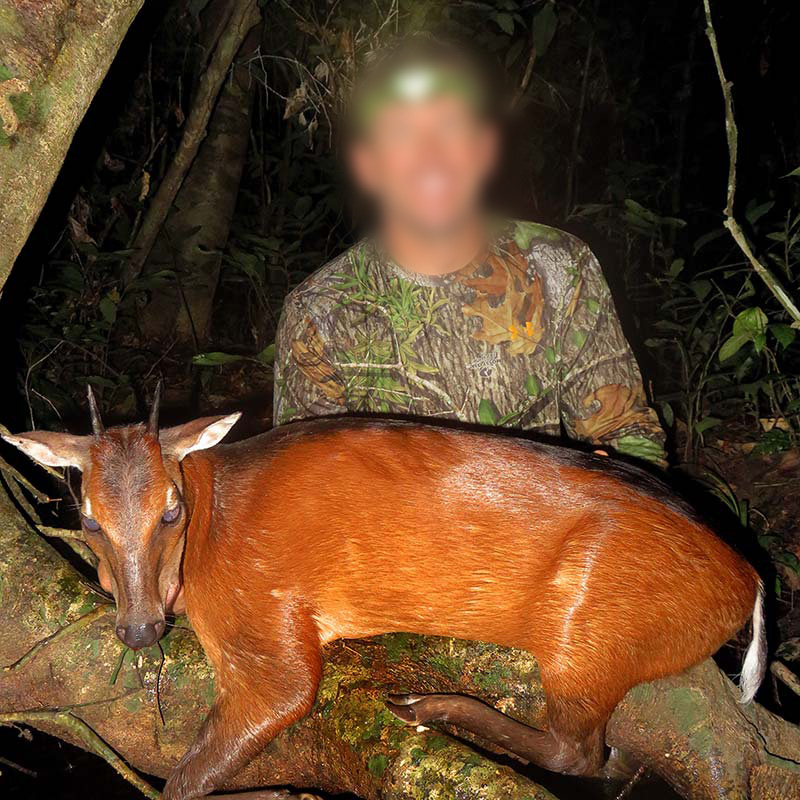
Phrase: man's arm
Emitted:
{"points": [[602, 399], [306, 381]]}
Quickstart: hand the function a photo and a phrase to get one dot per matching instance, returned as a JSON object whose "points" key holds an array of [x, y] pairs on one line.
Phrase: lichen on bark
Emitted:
{"points": [[60, 52]]}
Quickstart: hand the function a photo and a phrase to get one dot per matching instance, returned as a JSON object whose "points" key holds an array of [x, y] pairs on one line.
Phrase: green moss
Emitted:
{"points": [[133, 703], [437, 768], [450, 666], [688, 707], [9, 23], [495, 679], [436, 743], [399, 646], [377, 765]]}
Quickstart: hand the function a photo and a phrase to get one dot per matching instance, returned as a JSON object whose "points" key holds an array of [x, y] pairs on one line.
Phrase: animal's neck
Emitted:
{"points": [[198, 491]]}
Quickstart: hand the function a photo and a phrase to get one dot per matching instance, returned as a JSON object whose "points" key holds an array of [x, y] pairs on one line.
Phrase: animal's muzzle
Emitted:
{"points": [[141, 634]]}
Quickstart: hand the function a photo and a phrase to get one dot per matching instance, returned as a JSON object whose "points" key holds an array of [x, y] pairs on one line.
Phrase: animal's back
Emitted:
{"points": [[419, 527]]}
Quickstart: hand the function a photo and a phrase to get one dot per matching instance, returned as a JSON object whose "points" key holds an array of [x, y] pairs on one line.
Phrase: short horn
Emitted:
{"points": [[152, 424], [97, 423]]}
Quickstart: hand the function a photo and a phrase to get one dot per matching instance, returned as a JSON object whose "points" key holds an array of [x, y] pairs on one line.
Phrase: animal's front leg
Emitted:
{"points": [[260, 695]]}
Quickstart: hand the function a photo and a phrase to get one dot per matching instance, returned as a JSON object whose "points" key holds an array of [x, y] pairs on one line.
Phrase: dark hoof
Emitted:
{"points": [[403, 708]]}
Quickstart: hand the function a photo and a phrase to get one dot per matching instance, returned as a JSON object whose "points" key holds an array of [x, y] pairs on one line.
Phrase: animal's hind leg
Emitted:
{"points": [[577, 731], [556, 749]]}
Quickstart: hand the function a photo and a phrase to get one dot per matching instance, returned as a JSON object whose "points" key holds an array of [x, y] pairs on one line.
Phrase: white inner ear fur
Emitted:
{"points": [[49, 455], [209, 436]]}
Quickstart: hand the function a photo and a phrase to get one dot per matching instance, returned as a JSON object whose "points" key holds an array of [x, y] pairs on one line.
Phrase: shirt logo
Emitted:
{"points": [[485, 364]]}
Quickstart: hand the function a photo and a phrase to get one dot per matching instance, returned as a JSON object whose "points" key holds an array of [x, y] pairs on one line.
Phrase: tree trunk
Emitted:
{"points": [[54, 55], [196, 230], [241, 17], [68, 675]]}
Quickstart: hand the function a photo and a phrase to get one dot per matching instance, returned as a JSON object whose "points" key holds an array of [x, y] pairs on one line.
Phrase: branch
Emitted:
{"points": [[66, 722], [61, 82], [731, 224], [243, 17]]}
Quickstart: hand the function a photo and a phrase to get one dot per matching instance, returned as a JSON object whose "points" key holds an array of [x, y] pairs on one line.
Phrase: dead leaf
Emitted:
{"points": [[620, 407], [508, 301], [308, 353]]}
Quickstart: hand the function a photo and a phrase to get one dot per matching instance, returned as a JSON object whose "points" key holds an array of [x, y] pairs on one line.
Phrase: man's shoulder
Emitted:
{"points": [[560, 259], [535, 237], [325, 286]]}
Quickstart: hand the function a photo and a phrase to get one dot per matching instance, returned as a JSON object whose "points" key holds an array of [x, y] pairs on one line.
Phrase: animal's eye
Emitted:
{"points": [[90, 524], [171, 514]]}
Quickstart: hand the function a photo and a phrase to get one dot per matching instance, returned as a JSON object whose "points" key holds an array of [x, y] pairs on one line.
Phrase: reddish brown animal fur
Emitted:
{"points": [[348, 528]]}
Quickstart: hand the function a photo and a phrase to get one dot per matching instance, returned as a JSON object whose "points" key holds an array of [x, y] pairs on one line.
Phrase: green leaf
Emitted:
{"points": [[640, 447], [705, 424], [701, 289], [795, 173], [487, 413], [267, 355], [750, 323], [754, 213], [579, 337], [545, 24], [667, 413], [676, 267], [706, 238], [506, 22], [526, 232], [215, 359], [532, 386], [513, 52], [732, 346], [785, 334], [99, 380], [774, 441], [550, 355], [303, 206], [108, 308]]}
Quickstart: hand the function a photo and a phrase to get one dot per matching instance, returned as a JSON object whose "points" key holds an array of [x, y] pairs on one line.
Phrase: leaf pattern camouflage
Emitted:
{"points": [[526, 337]]}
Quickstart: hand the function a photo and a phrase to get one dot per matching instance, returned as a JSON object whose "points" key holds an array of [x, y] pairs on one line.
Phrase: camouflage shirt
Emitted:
{"points": [[526, 337]]}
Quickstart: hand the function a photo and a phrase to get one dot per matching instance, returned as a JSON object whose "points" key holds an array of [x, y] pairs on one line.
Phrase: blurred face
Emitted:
{"points": [[425, 163]]}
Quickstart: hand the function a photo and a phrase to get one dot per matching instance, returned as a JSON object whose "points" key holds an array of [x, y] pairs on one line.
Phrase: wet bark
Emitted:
{"points": [[196, 230], [66, 673], [53, 56]]}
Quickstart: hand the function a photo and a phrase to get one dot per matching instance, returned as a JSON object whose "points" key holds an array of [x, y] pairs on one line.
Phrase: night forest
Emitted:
{"points": [[169, 171]]}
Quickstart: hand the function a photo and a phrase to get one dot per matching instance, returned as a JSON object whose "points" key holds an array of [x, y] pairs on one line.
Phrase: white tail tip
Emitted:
{"points": [[755, 658]]}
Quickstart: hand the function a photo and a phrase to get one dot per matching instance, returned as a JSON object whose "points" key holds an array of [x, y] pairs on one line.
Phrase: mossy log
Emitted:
{"points": [[67, 674], [54, 55]]}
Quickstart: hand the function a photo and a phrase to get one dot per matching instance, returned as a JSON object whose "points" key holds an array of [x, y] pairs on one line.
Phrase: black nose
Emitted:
{"points": [[140, 635]]}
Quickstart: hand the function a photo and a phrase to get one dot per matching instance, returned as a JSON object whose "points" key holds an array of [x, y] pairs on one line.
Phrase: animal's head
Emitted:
{"points": [[133, 512]]}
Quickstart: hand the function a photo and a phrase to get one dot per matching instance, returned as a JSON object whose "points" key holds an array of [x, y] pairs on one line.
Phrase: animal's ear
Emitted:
{"points": [[199, 434], [53, 449]]}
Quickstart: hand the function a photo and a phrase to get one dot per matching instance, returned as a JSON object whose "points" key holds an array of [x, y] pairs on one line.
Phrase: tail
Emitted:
{"points": [[755, 659]]}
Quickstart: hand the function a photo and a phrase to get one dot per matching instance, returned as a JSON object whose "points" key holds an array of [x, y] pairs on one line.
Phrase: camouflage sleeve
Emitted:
{"points": [[306, 381], [602, 398]]}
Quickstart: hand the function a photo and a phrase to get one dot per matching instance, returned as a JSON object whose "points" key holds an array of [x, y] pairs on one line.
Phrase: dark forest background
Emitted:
{"points": [[618, 135]]}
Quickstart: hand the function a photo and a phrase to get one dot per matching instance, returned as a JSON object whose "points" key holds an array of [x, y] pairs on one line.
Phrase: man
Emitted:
{"points": [[444, 312]]}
